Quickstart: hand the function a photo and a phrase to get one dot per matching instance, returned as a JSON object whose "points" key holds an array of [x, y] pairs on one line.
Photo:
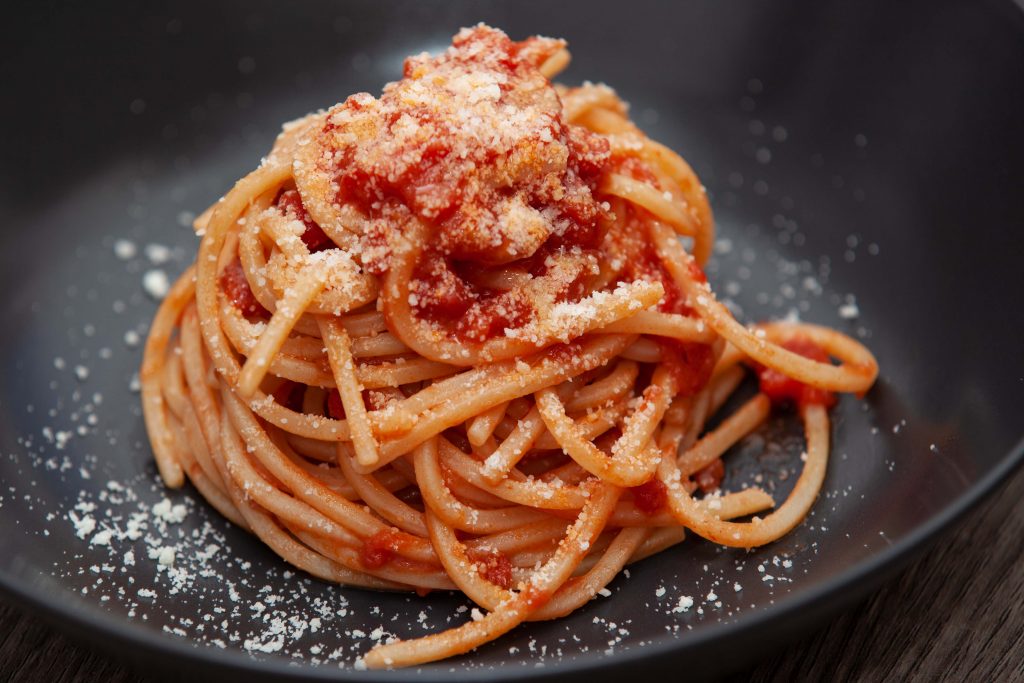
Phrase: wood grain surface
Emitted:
{"points": [[957, 614]]}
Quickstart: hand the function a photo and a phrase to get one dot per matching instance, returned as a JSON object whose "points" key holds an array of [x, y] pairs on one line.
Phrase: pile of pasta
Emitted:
{"points": [[522, 450]]}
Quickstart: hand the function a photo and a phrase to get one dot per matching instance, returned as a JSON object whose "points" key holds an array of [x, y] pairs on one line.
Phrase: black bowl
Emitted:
{"points": [[865, 165]]}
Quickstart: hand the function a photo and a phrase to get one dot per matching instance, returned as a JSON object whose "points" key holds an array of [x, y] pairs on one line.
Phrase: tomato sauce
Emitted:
{"points": [[696, 272], [691, 364], [635, 168], [493, 566], [235, 285], [491, 317], [290, 204], [784, 390], [448, 292], [335, 409], [648, 265], [472, 143], [378, 549], [649, 498], [441, 295]]}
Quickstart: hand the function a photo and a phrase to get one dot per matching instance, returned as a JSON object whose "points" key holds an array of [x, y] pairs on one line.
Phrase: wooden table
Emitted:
{"points": [[957, 614]]}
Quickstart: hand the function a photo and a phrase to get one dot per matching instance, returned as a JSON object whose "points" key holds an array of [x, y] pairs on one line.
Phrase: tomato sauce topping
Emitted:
{"points": [[493, 317], [235, 285], [696, 272], [379, 549], [649, 497], [335, 409], [690, 363], [290, 204], [472, 143], [645, 264], [493, 566], [634, 168], [783, 390], [440, 294], [652, 267]]}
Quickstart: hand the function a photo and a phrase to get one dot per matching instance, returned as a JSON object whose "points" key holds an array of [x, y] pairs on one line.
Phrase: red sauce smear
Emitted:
{"points": [[379, 549], [649, 498], [696, 272], [649, 267], [335, 409], [409, 147], [690, 363], [783, 390], [635, 168], [493, 566], [492, 317], [517, 187], [442, 294], [315, 239], [710, 478], [235, 285]]}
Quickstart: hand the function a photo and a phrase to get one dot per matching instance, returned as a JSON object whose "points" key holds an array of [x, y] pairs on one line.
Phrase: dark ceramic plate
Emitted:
{"points": [[865, 164]]}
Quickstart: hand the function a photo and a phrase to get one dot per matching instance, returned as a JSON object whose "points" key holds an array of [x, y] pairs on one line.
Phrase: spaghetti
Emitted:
{"points": [[459, 338]]}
